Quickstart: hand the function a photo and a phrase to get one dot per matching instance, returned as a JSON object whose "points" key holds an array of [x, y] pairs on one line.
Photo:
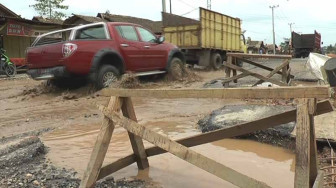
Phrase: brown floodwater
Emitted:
{"points": [[71, 148]]}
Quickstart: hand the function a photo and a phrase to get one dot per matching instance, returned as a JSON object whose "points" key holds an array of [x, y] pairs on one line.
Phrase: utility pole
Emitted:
{"points": [[49, 2], [290, 40], [290, 27], [164, 6], [209, 4], [170, 7], [273, 7]]}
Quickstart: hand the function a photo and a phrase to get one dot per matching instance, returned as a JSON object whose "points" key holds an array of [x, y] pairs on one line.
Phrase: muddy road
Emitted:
{"points": [[67, 123]]}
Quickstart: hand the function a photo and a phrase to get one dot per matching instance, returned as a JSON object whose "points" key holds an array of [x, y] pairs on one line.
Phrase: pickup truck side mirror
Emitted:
{"points": [[161, 39]]}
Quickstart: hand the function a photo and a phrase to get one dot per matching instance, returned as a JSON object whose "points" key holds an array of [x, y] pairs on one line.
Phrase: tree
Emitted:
{"points": [[50, 8]]}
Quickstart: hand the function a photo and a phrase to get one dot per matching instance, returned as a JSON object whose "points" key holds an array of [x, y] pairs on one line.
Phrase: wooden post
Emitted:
{"points": [[136, 142], [234, 72], [99, 151], [306, 164], [284, 72], [319, 180], [313, 170], [228, 70]]}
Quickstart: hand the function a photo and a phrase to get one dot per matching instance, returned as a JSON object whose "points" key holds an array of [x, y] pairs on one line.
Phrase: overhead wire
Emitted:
{"points": [[189, 11]]}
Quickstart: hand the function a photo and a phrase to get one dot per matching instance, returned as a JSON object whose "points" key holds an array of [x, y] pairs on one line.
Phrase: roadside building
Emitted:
{"points": [[270, 48], [19, 33], [77, 19], [47, 20], [256, 47], [155, 26]]}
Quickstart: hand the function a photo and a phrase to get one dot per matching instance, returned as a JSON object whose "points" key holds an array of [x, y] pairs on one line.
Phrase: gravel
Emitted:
{"points": [[232, 115], [23, 164]]}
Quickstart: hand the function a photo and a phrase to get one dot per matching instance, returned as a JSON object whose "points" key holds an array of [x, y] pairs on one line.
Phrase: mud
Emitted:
{"points": [[68, 121], [127, 81]]}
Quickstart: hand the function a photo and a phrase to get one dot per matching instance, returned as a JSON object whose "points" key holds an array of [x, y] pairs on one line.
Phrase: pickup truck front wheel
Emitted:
{"points": [[106, 76], [176, 68]]}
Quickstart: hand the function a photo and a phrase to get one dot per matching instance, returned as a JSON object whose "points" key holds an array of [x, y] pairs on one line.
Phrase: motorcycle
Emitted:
{"points": [[6, 66]]}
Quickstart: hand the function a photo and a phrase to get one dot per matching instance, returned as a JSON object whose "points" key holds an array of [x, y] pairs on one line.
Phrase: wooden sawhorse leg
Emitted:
{"points": [[306, 155], [103, 140], [228, 70]]}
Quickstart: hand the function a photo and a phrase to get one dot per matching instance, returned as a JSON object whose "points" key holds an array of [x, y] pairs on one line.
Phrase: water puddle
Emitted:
{"points": [[71, 148]]}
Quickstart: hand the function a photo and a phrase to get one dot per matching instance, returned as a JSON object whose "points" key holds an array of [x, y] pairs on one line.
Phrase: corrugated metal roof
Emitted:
{"points": [[47, 20], [89, 19], [8, 11]]}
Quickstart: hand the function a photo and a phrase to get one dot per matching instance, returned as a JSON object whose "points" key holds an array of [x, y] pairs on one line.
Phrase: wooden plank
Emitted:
{"points": [[234, 72], [235, 77], [273, 72], [313, 165], [319, 180], [136, 142], [262, 66], [238, 130], [302, 158], [270, 56], [284, 74], [228, 71], [99, 150], [288, 74], [116, 165], [185, 153], [225, 93], [255, 75]]}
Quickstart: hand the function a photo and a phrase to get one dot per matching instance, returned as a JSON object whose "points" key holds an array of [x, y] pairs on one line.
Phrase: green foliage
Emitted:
{"points": [[50, 8], [331, 49]]}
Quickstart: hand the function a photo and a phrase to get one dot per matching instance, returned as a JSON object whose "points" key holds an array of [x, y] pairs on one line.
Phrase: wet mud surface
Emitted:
{"points": [[47, 134], [24, 164]]}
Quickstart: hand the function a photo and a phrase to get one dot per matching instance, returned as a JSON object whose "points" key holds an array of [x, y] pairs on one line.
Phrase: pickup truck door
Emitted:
{"points": [[131, 48], [154, 52]]}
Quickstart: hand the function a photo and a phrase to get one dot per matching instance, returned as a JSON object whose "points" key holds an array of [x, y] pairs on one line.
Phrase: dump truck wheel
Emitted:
{"points": [[216, 61], [176, 68], [106, 76]]}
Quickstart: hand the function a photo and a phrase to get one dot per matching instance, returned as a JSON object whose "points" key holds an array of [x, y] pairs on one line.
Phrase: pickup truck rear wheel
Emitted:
{"points": [[216, 61], [106, 76]]}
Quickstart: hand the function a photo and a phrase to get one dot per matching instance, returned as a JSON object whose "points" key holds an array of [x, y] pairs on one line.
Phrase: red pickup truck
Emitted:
{"points": [[101, 52]]}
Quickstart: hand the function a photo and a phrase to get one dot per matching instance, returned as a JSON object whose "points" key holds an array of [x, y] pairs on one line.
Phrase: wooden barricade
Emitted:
{"points": [[306, 165], [232, 66]]}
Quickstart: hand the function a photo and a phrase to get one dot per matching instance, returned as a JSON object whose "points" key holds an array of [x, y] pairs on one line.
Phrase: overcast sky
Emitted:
{"points": [[255, 14]]}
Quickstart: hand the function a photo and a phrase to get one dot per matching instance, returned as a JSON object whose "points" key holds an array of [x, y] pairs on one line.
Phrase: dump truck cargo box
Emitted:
{"points": [[213, 31]]}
